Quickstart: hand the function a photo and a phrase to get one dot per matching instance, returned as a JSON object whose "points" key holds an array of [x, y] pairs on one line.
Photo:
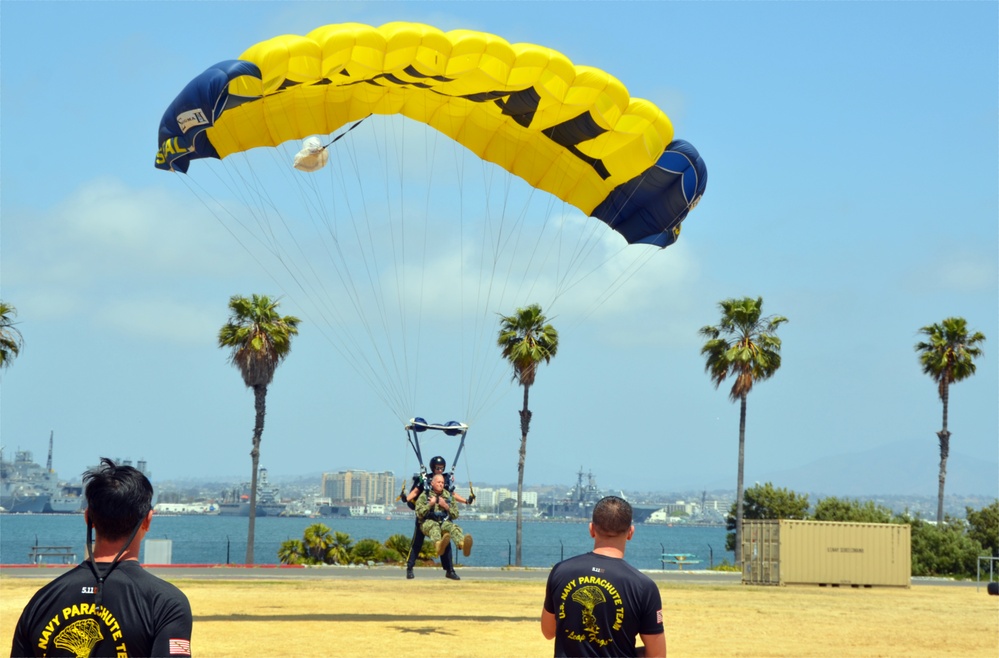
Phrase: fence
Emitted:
{"points": [[993, 563]]}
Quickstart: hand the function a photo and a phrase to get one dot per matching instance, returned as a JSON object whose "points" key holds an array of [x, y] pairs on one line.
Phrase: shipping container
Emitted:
{"points": [[792, 552]]}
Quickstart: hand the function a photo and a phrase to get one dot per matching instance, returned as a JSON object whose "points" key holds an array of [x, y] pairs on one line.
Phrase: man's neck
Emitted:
{"points": [[609, 551], [106, 552]]}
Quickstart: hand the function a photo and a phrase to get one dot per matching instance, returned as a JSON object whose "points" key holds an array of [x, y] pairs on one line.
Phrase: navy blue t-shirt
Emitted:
{"points": [[600, 605], [141, 615]]}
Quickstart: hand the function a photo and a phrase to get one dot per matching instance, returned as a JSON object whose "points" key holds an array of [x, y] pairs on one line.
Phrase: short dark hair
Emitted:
{"points": [[612, 516], [118, 498]]}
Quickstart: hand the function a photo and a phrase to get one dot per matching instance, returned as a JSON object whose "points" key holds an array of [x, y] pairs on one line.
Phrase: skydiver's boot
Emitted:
{"points": [[444, 542], [466, 545], [452, 575], [409, 573]]}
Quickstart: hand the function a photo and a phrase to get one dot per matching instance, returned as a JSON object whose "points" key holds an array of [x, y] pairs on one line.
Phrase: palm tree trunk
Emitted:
{"points": [[260, 405], [944, 436], [525, 424], [739, 486]]}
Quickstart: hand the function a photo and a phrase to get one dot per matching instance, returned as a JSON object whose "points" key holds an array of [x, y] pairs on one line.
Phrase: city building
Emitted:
{"points": [[360, 487], [489, 499]]}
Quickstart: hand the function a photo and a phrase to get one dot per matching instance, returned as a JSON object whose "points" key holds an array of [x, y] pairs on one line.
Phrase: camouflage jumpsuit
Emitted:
{"points": [[433, 519]]}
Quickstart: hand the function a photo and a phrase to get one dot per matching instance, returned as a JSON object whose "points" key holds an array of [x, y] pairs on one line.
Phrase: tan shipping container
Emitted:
{"points": [[792, 552]]}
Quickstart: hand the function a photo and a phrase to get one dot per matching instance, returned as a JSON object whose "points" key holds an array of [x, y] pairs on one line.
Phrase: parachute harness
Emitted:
{"points": [[450, 428]]}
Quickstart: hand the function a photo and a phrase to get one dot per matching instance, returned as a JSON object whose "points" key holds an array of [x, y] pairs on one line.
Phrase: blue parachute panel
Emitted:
{"points": [[649, 208], [197, 108]]}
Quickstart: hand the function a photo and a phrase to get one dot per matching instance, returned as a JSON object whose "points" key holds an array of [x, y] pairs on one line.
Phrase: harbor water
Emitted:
{"points": [[222, 540]]}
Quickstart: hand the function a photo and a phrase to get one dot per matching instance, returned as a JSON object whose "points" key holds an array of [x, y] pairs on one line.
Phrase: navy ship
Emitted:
{"points": [[28, 488], [236, 501], [577, 505]]}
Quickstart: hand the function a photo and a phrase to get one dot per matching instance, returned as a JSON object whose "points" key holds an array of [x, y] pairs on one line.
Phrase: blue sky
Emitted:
{"points": [[853, 159]]}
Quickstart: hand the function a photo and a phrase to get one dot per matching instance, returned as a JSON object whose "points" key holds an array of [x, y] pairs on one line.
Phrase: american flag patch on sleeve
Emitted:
{"points": [[659, 616], [180, 647]]}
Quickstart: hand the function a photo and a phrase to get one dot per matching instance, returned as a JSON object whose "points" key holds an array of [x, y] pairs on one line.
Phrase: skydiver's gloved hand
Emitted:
{"points": [[471, 499]]}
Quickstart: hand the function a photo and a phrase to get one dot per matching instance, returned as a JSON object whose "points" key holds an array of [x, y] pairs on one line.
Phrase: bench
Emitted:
{"points": [[64, 554], [679, 559]]}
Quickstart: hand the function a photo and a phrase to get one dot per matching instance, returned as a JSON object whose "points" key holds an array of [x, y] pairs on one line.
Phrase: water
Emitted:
{"points": [[222, 539]]}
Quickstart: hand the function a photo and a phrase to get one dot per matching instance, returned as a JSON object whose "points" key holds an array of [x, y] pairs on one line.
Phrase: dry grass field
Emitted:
{"points": [[356, 617]]}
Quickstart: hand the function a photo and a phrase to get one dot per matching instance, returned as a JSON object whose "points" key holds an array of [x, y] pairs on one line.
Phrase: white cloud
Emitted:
{"points": [[964, 271], [111, 251]]}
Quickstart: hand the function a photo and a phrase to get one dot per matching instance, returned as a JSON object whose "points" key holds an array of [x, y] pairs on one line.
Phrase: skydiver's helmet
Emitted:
{"points": [[437, 461]]}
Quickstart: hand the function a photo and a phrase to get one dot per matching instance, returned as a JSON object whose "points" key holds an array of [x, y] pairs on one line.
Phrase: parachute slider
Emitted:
{"points": [[451, 428], [314, 155]]}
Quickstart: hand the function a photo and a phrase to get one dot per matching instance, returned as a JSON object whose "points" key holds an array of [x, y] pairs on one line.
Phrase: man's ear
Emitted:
{"points": [[592, 531], [147, 521], [631, 533]]}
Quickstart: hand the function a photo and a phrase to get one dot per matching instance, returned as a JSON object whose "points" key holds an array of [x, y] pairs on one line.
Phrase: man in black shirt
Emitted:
{"points": [[596, 603], [108, 605]]}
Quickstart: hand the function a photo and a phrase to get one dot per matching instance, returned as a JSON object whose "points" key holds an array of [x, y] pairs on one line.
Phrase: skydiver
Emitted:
{"points": [[436, 510], [421, 483]]}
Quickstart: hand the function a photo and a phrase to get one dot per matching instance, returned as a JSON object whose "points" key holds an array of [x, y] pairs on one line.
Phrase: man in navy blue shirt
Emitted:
{"points": [[108, 605], [596, 603]]}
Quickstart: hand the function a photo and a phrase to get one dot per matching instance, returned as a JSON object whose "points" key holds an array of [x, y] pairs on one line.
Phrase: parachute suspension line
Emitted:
{"points": [[340, 136], [203, 196], [386, 142], [295, 262], [349, 346], [468, 473], [465, 369], [343, 340], [399, 263], [240, 186], [487, 297], [397, 374], [255, 193], [391, 390], [620, 280], [246, 184], [430, 140], [330, 242]]}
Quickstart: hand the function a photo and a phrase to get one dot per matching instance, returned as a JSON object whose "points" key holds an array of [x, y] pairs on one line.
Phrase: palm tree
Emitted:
{"points": [[293, 551], [339, 552], [11, 340], [318, 540], [526, 340], [948, 356], [259, 339], [744, 345]]}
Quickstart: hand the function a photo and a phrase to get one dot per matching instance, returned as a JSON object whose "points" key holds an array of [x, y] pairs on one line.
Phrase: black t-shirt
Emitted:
{"points": [[141, 615], [600, 605]]}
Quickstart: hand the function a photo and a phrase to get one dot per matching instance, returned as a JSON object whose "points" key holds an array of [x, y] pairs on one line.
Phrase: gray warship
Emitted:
{"points": [[236, 501], [577, 505], [28, 488]]}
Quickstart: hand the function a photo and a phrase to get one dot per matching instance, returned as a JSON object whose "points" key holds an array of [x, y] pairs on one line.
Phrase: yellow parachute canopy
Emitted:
{"points": [[570, 130]]}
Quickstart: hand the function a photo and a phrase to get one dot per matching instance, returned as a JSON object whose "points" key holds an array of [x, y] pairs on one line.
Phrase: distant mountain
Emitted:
{"points": [[904, 468]]}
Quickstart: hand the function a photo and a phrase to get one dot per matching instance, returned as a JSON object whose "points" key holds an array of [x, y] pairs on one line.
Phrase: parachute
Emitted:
{"points": [[356, 244], [570, 130]]}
